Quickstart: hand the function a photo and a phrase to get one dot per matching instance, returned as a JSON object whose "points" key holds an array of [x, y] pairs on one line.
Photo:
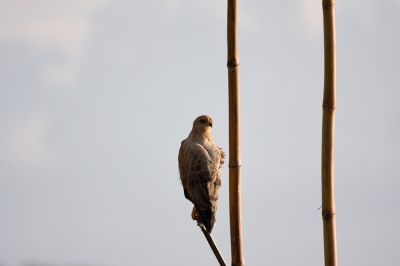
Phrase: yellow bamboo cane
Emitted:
{"points": [[328, 122], [234, 138]]}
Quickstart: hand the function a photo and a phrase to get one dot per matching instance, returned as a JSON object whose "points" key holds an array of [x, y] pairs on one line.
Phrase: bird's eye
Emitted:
{"points": [[202, 121]]}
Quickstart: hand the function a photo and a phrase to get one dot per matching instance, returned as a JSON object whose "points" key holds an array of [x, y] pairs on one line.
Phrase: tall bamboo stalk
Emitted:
{"points": [[234, 138], [328, 123]]}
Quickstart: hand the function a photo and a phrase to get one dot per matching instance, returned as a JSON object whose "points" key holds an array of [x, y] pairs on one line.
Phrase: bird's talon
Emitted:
{"points": [[195, 214]]}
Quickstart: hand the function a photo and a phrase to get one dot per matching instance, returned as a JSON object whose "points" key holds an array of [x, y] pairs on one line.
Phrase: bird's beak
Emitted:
{"points": [[210, 124]]}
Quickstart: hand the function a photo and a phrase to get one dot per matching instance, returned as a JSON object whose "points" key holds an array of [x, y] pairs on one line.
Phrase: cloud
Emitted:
{"points": [[62, 27], [218, 10], [311, 15], [22, 141]]}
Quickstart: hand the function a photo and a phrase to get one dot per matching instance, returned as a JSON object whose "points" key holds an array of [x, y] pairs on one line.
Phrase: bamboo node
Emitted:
{"points": [[328, 215], [324, 4], [233, 64], [329, 107], [234, 166]]}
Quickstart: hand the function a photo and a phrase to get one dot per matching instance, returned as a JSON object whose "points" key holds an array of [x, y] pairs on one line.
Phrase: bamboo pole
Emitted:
{"points": [[328, 122], [234, 139], [212, 244]]}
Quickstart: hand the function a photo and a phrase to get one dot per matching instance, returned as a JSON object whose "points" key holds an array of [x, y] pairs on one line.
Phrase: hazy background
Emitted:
{"points": [[96, 96]]}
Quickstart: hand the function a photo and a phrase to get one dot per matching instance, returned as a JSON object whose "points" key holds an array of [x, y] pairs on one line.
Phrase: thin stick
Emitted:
{"points": [[212, 244], [234, 138], [328, 123]]}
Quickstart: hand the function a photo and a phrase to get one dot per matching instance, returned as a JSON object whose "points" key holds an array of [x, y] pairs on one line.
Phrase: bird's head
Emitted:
{"points": [[202, 124]]}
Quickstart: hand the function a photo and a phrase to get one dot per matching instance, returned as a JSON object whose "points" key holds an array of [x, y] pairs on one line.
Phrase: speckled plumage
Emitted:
{"points": [[200, 161]]}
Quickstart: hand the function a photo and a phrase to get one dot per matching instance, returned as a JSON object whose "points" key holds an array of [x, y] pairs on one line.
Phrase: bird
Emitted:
{"points": [[200, 161]]}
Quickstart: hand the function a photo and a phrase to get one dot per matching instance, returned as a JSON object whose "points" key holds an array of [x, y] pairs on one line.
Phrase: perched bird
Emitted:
{"points": [[200, 161]]}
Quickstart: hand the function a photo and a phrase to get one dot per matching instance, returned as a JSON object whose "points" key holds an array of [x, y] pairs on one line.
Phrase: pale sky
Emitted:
{"points": [[96, 96]]}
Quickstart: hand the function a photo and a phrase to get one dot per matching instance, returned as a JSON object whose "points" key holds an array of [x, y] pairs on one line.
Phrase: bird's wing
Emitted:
{"points": [[198, 179], [200, 176], [183, 164]]}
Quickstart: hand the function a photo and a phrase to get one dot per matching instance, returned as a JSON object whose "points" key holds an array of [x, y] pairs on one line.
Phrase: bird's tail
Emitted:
{"points": [[208, 219]]}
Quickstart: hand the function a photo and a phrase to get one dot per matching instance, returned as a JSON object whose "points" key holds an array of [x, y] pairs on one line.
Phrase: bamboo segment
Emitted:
{"points": [[328, 123], [212, 244], [234, 138]]}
